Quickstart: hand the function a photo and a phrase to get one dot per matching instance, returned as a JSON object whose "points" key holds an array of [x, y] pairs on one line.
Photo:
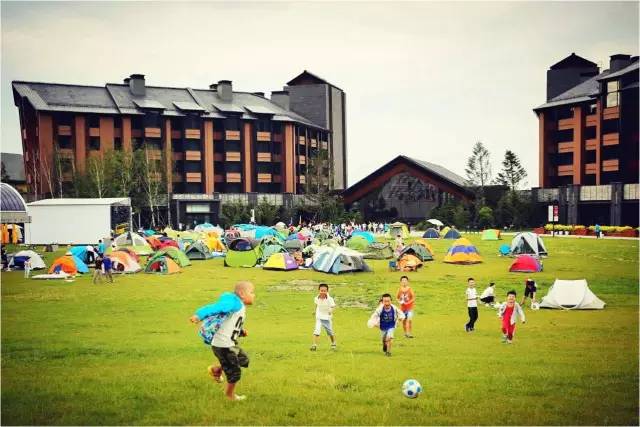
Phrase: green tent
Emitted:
{"points": [[491, 234], [242, 253], [175, 254], [379, 251], [358, 243], [268, 250], [419, 251], [161, 264], [198, 250]]}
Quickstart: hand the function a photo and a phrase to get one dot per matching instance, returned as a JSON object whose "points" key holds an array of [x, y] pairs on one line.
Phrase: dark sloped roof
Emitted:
{"points": [[628, 69], [118, 99], [582, 92], [308, 76], [14, 166], [573, 61], [440, 170]]}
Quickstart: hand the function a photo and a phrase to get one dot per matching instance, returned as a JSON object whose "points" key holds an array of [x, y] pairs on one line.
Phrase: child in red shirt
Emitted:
{"points": [[407, 298], [509, 312]]}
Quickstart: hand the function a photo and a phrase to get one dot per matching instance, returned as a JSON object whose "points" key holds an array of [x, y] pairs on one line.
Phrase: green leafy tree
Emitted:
{"points": [[461, 216], [485, 217], [478, 168], [266, 213], [512, 173], [234, 213]]}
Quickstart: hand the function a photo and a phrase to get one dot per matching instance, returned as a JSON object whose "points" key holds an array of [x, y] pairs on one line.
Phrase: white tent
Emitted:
{"points": [[528, 243], [36, 260], [435, 222], [570, 295]]}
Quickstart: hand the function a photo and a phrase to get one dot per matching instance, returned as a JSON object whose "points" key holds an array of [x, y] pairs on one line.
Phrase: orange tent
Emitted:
{"points": [[153, 242], [408, 262], [68, 266]]}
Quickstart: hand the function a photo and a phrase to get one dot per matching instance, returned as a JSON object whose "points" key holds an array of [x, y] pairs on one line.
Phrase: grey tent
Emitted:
{"points": [[293, 245], [528, 243], [571, 295], [379, 251], [198, 250], [338, 260]]}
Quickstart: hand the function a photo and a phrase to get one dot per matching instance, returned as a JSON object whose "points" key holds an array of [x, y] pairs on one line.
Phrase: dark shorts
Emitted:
{"points": [[528, 292], [488, 299], [231, 359]]}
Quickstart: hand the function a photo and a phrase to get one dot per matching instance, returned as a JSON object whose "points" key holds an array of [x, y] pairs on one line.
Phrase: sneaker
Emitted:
{"points": [[384, 347], [238, 397], [509, 342], [408, 335], [216, 374], [334, 346], [387, 353], [503, 339], [313, 347]]}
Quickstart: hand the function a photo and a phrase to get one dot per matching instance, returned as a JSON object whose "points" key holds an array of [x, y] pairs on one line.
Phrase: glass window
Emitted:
{"points": [[197, 208], [613, 96]]}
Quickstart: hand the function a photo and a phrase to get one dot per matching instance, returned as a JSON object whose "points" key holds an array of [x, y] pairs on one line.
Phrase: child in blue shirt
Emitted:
{"points": [[386, 316]]}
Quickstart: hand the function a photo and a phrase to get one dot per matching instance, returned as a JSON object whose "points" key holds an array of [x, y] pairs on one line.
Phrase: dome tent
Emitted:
{"points": [[367, 235], [409, 262], [338, 260], [242, 252], [462, 252], [161, 264], [19, 259], [134, 242], [176, 254], [491, 234], [418, 251], [399, 229], [358, 243], [431, 233], [379, 251], [528, 243], [526, 264], [571, 295], [452, 233], [198, 251], [281, 261], [123, 262]]}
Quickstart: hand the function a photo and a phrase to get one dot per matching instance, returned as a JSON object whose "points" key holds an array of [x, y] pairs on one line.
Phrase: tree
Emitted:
{"points": [[234, 213], [478, 168], [149, 181], [266, 213], [97, 174], [461, 216], [485, 217], [512, 173]]}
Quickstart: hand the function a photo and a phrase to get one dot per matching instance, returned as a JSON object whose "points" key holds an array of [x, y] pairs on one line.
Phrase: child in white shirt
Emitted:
{"points": [[324, 312], [472, 304], [488, 295]]}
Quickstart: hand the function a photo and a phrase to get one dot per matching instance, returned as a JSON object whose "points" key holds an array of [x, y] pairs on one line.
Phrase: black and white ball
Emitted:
{"points": [[411, 389]]}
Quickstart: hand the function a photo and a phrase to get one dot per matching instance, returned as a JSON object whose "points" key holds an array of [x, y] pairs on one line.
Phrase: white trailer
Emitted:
{"points": [[75, 221]]}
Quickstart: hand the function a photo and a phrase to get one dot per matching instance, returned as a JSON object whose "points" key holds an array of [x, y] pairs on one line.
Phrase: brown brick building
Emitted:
{"points": [[588, 150]]}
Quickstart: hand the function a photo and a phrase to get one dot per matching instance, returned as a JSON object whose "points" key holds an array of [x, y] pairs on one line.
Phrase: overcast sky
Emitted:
{"points": [[426, 80]]}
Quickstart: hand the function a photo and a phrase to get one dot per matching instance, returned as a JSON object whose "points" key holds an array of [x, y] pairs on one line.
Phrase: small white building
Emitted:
{"points": [[75, 221]]}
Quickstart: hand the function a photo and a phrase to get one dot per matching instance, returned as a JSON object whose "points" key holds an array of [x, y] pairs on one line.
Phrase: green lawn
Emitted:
{"points": [[78, 354]]}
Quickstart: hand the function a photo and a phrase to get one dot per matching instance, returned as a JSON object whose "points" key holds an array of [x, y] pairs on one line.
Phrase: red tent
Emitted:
{"points": [[526, 264]]}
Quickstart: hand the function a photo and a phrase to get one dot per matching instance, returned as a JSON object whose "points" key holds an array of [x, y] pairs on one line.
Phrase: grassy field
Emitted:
{"points": [[78, 354]]}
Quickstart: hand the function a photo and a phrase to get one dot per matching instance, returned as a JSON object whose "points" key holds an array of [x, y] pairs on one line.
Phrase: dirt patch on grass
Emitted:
{"points": [[295, 285]]}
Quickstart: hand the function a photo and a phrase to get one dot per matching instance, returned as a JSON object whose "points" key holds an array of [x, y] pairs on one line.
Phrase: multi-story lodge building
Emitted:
{"points": [[211, 142], [588, 133]]}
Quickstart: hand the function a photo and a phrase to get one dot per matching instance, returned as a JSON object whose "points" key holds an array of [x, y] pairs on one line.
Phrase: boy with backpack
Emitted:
{"points": [[222, 325]]}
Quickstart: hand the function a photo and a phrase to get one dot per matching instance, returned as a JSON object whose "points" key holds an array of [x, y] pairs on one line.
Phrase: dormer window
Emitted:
{"points": [[613, 96]]}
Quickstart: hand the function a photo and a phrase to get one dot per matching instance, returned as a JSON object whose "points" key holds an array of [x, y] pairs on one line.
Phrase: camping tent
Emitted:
{"points": [[418, 251], [462, 252], [504, 250], [84, 254], [134, 242], [204, 227], [528, 243], [367, 235], [526, 264], [242, 253], [338, 260], [358, 243], [265, 231], [444, 231], [198, 250], [571, 294], [491, 234], [293, 245], [379, 251], [452, 233], [174, 253], [214, 244], [426, 244], [20, 257], [409, 262], [399, 229], [123, 262], [161, 264], [281, 261], [70, 265], [431, 233], [270, 248]]}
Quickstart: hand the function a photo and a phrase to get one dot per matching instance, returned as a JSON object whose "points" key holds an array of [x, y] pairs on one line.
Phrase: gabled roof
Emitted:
{"points": [[169, 101], [628, 69], [582, 92], [573, 61], [307, 77], [442, 177]]}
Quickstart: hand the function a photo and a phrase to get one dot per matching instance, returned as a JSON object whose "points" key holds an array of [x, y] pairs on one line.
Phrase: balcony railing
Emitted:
{"points": [[611, 165], [264, 157], [152, 133], [192, 133], [611, 113], [565, 170], [233, 156], [192, 155], [264, 178], [234, 177], [564, 124], [232, 135], [194, 176], [592, 120], [64, 130], [591, 144], [565, 147], [590, 168], [263, 136], [94, 131], [611, 139]]}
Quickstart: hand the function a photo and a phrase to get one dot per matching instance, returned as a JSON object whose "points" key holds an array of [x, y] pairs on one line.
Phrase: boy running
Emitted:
{"points": [[509, 312], [225, 341], [324, 311], [406, 298], [472, 304], [386, 316]]}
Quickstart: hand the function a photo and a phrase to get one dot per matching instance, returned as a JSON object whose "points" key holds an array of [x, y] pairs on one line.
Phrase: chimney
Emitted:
{"points": [[136, 84], [225, 90], [618, 62], [280, 98], [213, 86]]}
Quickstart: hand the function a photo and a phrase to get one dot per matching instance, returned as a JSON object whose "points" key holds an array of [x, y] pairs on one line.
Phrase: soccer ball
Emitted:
{"points": [[535, 306], [411, 389]]}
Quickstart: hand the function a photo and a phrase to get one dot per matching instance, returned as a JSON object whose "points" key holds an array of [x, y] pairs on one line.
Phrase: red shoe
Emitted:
{"points": [[216, 373]]}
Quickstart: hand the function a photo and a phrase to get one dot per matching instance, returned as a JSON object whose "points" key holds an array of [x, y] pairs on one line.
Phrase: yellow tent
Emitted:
{"points": [[462, 252], [425, 244], [214, 244], [399, 229]]}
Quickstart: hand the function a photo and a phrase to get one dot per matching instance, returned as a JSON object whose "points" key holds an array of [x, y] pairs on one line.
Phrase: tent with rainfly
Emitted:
{"points": [[379, 251], [134, 242], [69, 264], [281, 261], [358, 243], [491, 234], [198, 250], [123, 262], [526, 264], [462, 252], [161, 264], [175, 254], [452, 233], [571, 295], [418, 251], [367, 235], [399, 229], [409, 262], [20, 257], [338, 260], [242, 252], [270, 248], [528, 243], [431, 233], [425, 243]]}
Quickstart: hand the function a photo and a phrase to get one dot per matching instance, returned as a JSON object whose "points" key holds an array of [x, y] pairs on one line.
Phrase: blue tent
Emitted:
{"points": [[367, 235], [265, 231], [505, 250], [431, 233], [149, 232], [80, 265], [452, 234], [79, 252]]}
